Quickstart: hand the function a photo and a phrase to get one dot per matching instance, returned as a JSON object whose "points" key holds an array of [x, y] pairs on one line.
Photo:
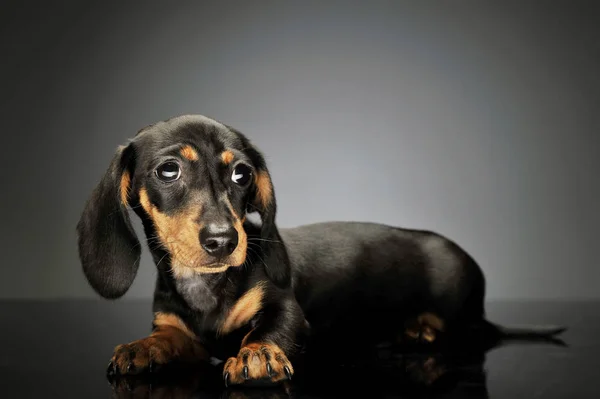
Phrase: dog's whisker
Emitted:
{"points": [[130, 207], [263, 239], [255, 245], [158, 242], [161, 259], [257, 255]]}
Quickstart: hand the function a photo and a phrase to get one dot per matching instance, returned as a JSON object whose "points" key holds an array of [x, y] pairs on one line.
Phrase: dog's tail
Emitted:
{"points": [[529, 332], [504, 334]]}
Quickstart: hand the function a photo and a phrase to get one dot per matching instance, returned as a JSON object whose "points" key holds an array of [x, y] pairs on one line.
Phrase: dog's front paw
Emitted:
{"points": [[136, 357], [258, 361]]}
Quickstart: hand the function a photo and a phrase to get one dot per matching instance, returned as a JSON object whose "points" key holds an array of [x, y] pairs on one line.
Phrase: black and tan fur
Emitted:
{"points": [[340, 286]]}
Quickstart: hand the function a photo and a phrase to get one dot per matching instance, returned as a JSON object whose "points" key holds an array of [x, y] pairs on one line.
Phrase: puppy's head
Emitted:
{"points": [[191, 180]]}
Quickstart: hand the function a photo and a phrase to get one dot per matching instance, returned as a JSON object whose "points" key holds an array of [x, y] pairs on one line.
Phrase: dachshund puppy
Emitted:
{"points": [[232, 286]]}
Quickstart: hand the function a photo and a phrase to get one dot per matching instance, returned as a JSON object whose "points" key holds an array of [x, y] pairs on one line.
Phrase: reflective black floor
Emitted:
{"points": [[61, 349]]}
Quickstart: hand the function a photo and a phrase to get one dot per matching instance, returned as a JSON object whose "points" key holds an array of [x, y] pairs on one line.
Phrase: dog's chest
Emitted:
{"points": [[197, 293]]}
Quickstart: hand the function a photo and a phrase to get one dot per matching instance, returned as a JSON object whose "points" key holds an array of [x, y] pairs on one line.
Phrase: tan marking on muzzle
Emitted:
{"points": [[239, 254], [180, 234]]}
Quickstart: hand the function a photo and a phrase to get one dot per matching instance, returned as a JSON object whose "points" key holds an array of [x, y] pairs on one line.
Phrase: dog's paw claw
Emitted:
{"points": [[111, 370], [226, 379], [269, 370], [151, 366], [258, 361]]}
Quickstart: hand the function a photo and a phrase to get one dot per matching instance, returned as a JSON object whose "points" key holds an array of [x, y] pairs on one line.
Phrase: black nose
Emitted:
{"points": [[219, 240]]}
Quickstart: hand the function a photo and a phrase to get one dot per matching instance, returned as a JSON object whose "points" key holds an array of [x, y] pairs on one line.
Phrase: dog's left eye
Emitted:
{"points": [[241, 174], [168, 171]]}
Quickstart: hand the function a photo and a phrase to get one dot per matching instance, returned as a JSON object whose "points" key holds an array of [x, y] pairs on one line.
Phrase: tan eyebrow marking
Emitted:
{"points": [[189, 153], [227, 156]]}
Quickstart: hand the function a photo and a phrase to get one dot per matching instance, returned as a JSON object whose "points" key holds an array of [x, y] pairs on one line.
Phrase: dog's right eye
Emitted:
{"points": [[168, 171]]}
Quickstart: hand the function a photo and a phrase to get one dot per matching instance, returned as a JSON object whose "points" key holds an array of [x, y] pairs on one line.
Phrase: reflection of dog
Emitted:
{"points": [[246, 291], [413, 374]]}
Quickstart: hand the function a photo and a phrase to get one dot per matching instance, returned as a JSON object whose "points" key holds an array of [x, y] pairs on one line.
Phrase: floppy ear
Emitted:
{"points": [[108, 247], [263, 201]]}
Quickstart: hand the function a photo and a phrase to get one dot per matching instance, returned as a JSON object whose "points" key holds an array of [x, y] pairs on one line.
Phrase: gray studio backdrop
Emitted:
{"points": [[474, 119]]}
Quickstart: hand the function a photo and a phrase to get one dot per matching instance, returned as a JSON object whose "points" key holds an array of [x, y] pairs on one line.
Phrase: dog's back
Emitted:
{"points": [[364, 272]]}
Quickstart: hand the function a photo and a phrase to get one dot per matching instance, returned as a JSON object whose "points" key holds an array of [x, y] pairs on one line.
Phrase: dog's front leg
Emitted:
{"points": [[170, 341], [266, 348]]}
